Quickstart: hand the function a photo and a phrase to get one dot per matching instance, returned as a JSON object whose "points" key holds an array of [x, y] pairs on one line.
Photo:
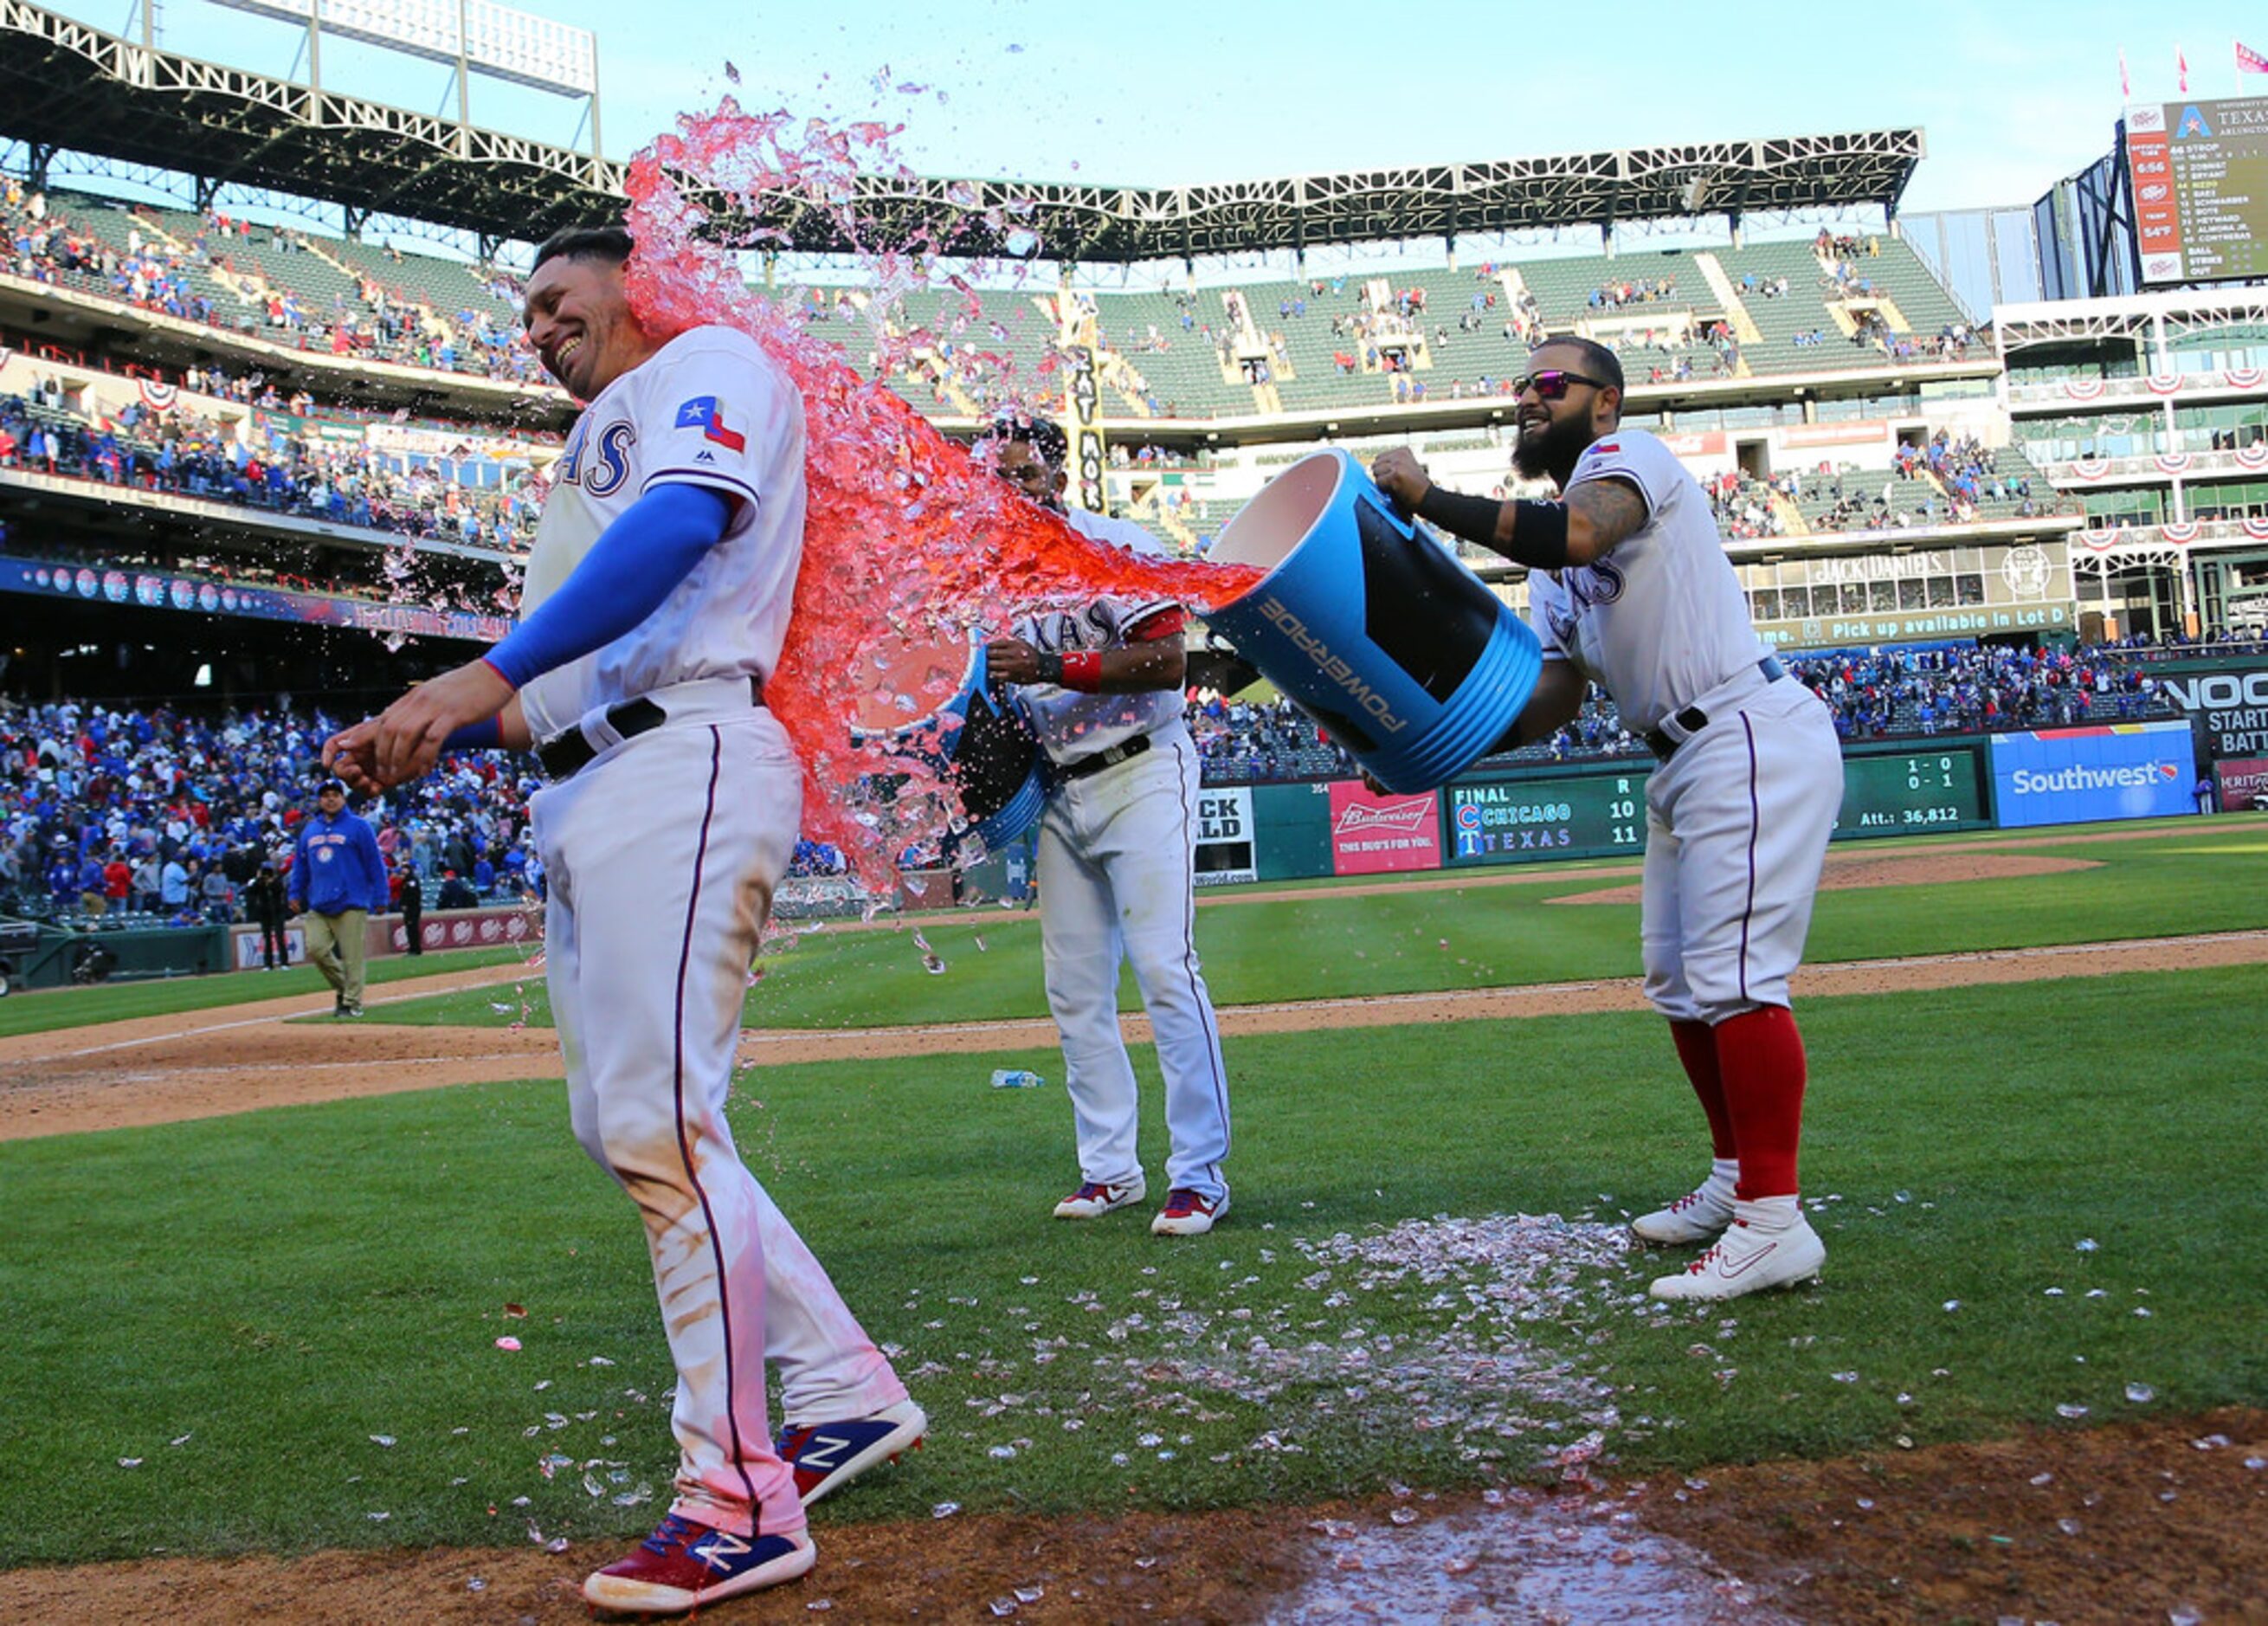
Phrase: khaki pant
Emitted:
{"points": [[336, 947]]}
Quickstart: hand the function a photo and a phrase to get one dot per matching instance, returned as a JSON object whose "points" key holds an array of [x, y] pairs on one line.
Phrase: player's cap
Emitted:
{"points": [[328, 783]]}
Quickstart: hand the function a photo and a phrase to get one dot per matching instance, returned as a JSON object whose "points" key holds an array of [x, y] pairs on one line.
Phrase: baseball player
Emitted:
{"points": [[1630, 588], [1115, 865], [657, 598]]}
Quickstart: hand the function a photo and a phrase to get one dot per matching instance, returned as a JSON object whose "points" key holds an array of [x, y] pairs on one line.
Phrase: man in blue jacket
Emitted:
{"points": [[337, 878]]}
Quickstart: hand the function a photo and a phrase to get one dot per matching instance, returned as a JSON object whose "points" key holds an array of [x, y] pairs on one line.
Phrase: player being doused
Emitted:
{"points": [[656, 602]]}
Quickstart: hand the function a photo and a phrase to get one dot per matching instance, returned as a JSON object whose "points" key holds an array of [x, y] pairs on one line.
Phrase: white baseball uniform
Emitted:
{"points": [[1739, 816], [1116, 873], [662, 852]]}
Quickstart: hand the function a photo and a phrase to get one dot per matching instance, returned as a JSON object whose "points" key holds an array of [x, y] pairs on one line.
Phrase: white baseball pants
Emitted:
{"points": [[1736, 829], [662, 854], [1116, 856]]}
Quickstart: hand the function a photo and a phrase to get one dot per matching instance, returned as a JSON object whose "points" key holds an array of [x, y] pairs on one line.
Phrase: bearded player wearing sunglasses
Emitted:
{"points": [[1629, 586]]}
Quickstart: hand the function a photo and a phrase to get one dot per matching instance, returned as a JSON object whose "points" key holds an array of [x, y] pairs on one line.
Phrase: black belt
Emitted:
{"points": [[1125, 751], [1693, 718], [566, 752]]}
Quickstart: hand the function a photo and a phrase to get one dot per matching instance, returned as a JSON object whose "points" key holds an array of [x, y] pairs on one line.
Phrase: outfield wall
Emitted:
{"points": [[1952, 782]]}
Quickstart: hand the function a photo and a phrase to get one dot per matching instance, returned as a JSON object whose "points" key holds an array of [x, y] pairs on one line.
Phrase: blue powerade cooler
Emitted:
{"points": [[1373, 627]]}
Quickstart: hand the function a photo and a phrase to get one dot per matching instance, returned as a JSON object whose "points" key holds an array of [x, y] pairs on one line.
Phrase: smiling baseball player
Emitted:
{"points": [[1116, 863], [657, 599], [1629, 586]]}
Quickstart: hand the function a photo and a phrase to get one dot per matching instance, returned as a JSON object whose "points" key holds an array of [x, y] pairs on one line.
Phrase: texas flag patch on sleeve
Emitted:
{"points": [[704, 414]]}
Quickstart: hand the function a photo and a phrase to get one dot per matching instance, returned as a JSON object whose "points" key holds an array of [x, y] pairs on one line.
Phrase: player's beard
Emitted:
{"points": [[1551, 451]]}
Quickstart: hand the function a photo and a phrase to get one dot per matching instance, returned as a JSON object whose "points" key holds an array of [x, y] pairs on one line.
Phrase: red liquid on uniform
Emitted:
{"points": [[908, 539]]}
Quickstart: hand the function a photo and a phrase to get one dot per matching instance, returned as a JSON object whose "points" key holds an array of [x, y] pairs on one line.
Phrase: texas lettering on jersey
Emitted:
{"points": [[599, 461], [1586, 585], [1101, 624]]}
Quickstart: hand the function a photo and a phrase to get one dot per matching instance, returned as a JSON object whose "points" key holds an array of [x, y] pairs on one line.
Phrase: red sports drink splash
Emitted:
{"points": [[907, 539]]}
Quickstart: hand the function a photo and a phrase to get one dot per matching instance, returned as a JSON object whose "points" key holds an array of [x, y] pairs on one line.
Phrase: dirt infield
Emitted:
{"points": [[2106, 1526], [2155, 1521]]}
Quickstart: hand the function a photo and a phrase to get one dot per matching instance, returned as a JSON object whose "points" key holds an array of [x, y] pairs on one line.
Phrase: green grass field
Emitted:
{"points": [[1330, 944], [2034, 1196], [49, 1010]]}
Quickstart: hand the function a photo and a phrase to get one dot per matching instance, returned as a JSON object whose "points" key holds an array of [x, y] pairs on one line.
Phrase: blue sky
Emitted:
{"points": [[2012, 95]]}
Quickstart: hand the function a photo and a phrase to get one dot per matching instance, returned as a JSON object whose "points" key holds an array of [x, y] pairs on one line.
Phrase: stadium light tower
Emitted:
{"points": [[471, 36]]}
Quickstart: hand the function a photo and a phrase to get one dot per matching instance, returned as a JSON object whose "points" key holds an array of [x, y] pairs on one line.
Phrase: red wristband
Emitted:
{"points": [[1082, 670]]}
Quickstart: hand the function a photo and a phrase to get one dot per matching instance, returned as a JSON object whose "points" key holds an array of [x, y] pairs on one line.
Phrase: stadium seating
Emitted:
{"points": [[449, 315]]}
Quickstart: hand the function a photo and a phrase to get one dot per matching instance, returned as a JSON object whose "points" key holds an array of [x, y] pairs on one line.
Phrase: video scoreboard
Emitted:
{"points": [[2200, 172], [1909, 793], [1602, 814]]}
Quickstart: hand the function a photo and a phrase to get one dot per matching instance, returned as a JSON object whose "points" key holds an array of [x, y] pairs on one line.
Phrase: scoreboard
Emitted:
{"points": [[1602, 814], [1549, 815], [1909, 793], [2199, 175]]}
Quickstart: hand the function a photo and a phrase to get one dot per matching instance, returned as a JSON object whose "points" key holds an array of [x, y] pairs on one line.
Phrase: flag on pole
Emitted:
{"points": [[2181, 66], [2249, 61], [2125, 88]]}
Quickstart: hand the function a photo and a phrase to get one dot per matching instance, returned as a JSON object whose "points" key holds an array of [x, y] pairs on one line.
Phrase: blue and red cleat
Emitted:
{"points": [[683, 1565], [827, 1456]]}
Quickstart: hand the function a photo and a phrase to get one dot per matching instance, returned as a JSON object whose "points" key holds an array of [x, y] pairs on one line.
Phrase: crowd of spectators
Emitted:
{"points": [[1971, 688], [145, 814], [1744, 505], [161, 272], [1942, 481], [1243, 743], [188, 453], [1966, 470], [1916, 691], [170, 815], [1615, 296]]}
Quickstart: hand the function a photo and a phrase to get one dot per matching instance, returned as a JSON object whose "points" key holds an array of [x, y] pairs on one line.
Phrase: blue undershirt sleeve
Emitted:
{"points": [[635, 564]]}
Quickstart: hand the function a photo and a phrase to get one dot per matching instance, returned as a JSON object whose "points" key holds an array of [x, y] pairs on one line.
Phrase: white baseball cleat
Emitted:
{"points": [[1747, 1259], [1094, 1200], [1188, 1213], [1696, 1217]]}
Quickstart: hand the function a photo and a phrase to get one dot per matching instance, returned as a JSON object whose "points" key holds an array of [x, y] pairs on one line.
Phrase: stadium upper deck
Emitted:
{"points": [[1801, 380], [1761, 321]]}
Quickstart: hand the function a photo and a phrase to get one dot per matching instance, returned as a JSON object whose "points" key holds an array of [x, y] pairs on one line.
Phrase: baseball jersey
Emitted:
{"points": [[1661, 620], [1071, 724], [709, 409]]}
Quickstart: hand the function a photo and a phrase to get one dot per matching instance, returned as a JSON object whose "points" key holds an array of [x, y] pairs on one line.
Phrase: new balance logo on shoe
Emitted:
{"points": [[720, 1550], [825, 1457], [823, 1452]]}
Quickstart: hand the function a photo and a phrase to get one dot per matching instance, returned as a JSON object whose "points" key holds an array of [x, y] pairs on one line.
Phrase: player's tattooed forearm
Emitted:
{"points": [[1612, 509]]}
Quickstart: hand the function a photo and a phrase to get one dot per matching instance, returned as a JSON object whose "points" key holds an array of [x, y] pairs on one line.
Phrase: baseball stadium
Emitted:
{"points": [[1221, 574]]}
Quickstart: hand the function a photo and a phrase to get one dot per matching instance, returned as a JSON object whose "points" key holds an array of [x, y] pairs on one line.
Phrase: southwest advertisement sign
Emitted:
{"points": [[2066, 776], [1381, 835], [2232, 707]]}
